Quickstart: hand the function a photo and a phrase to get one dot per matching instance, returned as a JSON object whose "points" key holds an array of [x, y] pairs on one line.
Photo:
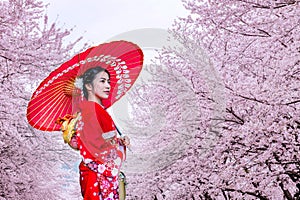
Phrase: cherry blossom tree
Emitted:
{"points": [[31, 161], [232, 88]]}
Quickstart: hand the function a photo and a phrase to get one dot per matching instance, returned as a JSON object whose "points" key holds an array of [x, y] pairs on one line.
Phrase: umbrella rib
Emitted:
{"points": [[56, 91], [42, 106], [43, 109], [61, 113], [46, 119], [62, 104]]}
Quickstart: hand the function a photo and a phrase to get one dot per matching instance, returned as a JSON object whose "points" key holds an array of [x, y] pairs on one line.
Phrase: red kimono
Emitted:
{"points": [[101, 153]]}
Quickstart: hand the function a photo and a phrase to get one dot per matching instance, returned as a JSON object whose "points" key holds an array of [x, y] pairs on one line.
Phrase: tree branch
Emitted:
{"points": [[257, 195], [286, 192], [230, 110], [254, 99], [293, 102]]}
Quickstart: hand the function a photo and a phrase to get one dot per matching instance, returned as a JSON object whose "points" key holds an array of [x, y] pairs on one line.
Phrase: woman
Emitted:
{"points": [[98, 141], [91, 129]]}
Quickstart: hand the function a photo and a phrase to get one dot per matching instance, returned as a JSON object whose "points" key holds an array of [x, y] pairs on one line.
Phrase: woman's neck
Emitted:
{"points": [[96, 100]]}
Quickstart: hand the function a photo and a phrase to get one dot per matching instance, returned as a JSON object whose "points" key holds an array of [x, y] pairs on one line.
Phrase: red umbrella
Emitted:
{"points": [[56, 95]]}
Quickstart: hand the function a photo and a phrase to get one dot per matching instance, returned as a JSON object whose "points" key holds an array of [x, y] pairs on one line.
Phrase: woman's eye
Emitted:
{"points": [[103, 81]]}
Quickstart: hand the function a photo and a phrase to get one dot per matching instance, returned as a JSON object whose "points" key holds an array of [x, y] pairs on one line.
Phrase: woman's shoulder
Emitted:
{"points": [[90, 106], [93, 111]]}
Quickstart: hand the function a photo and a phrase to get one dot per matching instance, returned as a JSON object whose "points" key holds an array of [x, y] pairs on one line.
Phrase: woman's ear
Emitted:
{"points": [[89, 86]]}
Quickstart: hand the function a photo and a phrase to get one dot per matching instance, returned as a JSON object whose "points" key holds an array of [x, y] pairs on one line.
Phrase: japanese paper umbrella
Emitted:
{"points": [[56, 94]]}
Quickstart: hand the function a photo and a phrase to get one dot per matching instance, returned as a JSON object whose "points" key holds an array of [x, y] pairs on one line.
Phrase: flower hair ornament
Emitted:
{"points": [[79, 83]]}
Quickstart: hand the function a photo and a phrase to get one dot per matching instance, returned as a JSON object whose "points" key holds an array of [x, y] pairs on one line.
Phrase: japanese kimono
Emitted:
{"points": [[102, 153]]}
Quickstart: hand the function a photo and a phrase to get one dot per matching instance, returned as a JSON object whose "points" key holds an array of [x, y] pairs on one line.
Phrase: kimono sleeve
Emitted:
{"points": [[96, 125]]}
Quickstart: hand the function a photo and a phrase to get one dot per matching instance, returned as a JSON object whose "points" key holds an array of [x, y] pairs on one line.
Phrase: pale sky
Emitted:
{"points": [[100, 20]]}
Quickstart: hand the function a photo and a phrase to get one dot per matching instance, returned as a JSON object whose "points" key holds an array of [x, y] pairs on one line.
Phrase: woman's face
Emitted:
{"points": [[100, 87]]}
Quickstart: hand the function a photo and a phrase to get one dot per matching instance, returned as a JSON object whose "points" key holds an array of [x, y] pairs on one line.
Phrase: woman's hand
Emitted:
{"points": [[125, 141], [74, 143]]}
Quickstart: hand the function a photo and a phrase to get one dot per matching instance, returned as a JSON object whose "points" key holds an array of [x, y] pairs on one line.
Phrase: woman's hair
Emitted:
{"points": [[89, 76]]}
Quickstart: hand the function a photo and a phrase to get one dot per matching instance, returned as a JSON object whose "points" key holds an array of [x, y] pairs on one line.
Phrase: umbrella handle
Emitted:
{"points": [[121, 134]]}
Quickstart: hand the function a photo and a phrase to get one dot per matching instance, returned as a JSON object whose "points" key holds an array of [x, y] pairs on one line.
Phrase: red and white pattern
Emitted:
{"points": [[102, 156]]}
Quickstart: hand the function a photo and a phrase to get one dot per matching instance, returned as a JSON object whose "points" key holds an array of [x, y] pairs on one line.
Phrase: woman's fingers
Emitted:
{"points": [[125, 141]]}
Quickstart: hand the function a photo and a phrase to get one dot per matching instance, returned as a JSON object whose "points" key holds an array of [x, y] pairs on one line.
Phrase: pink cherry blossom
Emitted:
{"points": [[232, 88], [31, 161]]}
